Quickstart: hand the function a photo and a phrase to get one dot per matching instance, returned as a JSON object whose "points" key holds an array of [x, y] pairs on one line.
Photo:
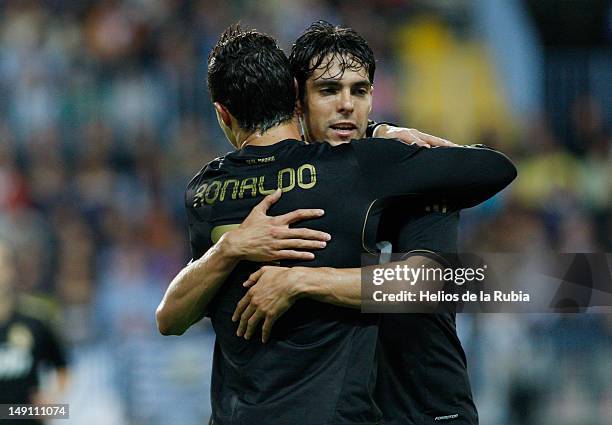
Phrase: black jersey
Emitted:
{"points": [[25, 344], [319, 365], [422, 375]]}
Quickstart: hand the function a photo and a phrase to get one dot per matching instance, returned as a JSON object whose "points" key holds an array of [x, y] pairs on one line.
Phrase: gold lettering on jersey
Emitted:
{"points": [[226, 183], [261, 188], [248, 183], [291, 173], [304, 177], [212, 193], [313, 176], [198, 198]]}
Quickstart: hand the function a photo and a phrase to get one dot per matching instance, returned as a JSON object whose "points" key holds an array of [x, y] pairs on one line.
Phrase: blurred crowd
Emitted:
{"points": [[105, 117]]}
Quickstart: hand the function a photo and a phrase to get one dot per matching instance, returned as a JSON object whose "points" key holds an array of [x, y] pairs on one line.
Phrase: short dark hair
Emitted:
{"points": [[250, 75], [322, 39]]}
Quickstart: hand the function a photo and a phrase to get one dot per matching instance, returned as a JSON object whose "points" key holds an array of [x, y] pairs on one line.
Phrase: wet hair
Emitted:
{"points": [[250, 75], [322, 40]]}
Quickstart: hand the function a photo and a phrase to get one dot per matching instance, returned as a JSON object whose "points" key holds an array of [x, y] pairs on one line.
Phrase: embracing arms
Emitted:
{"points": [[259, 238], [273, 290]]}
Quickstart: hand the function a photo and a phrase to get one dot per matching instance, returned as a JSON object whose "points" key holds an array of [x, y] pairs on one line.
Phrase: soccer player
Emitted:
{"points": [[423, 369], [26, 344], [318, 366]]}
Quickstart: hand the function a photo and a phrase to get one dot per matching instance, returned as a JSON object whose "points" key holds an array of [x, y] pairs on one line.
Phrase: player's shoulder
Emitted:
{"points": [[213, 166]]}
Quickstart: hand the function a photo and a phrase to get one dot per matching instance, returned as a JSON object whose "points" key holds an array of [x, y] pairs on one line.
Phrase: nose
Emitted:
{"points": [[345, 102]]}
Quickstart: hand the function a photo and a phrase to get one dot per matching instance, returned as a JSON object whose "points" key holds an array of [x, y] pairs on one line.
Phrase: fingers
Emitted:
{"points": [[412, 135], [433, 140], [414, 138], [314, 235], [252, 280], [266, 329], [244, 319], [301, 244], [299, 215], [241, 306], [251, 324], [408, 136], [287, 254], [269, 200]]}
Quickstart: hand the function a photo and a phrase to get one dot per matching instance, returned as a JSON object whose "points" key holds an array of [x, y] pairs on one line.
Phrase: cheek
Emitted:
{"points": [[318, 114], [366, 108]]}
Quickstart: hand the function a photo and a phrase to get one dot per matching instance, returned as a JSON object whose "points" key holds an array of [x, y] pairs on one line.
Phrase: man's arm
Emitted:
{"points": [[273, 290], [258, 238], [466, 176], [193, 288]]}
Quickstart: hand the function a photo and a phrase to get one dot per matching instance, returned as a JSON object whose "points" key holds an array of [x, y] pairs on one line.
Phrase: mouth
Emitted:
{"points": [[343, 130]]}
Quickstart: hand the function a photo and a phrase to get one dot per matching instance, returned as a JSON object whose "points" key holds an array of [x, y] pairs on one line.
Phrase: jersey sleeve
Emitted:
{"points": [[465, 176], [199, 242], [198, 225]]}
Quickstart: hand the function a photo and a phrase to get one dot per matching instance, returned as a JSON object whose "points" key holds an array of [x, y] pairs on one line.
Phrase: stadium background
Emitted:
{"points": [[105, 117]]}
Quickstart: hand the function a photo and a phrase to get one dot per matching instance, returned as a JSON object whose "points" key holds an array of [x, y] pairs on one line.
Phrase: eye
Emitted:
{"points": [[328, 90], [361, 91]]}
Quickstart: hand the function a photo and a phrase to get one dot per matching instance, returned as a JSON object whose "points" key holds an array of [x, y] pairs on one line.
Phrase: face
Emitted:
{"points": [[336, 105]]}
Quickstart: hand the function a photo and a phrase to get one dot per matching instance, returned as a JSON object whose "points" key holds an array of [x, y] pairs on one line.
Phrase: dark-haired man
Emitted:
{"points": [[318, 366], [422, 376], [423, 369]]}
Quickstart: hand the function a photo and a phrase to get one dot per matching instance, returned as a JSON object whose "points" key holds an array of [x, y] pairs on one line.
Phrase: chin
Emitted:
{"points": [[336, 141]]}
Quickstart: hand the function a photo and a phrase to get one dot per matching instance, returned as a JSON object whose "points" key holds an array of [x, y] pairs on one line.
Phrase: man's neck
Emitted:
{"points": [[274, 135]]}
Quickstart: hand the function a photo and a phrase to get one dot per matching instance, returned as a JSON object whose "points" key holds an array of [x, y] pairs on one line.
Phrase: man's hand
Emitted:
{"points": [[410, 135], [262, 238], [272, 291]]}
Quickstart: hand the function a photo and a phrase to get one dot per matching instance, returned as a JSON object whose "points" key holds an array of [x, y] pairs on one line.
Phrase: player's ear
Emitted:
{"points": [[223, 114], [371, 96], [298, 102]]}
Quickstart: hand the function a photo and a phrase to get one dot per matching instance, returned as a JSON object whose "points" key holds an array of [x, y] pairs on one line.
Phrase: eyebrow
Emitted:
{"points": [[332, 82]]}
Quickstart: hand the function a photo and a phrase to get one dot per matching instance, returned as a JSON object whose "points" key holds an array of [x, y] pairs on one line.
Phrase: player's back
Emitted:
{"points": [[318, 367]]}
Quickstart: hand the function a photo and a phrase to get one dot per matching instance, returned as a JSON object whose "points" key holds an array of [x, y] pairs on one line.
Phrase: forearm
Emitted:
{"points": [[190, 292], [340, 287]]}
